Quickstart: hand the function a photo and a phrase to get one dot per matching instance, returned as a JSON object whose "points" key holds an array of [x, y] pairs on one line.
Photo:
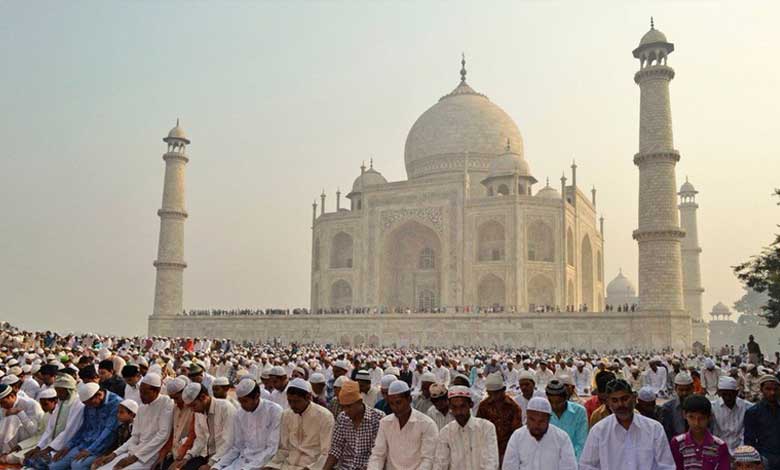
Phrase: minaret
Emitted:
{"points": [[170, 251], [691, 268], [659, 233]]}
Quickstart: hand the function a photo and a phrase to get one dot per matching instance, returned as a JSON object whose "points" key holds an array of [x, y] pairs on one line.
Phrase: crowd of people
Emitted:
{"points": [[103, 402]]}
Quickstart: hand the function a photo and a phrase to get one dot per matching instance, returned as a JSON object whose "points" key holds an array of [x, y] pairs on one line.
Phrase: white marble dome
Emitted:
{"points": [[462, 121], [509, 164], [721, 309], [652, 36], [548, 192], [621, 287], [370, 177]]}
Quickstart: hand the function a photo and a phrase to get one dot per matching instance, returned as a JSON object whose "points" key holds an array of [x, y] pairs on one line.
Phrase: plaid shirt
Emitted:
{"points": [[352, 447]]}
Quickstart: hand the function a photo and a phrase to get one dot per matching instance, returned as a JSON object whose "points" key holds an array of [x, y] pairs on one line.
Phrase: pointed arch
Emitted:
{"points": [[569, 247], [540, 242], [341, 251], [490, 241], [491, 291], [410, 263], [340, 294], [571, 295], [541, 291]]}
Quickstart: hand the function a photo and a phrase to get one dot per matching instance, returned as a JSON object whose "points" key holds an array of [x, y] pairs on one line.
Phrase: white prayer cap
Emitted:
{"points": [[459, 391], [727, 383], [9, 379], [47, 394], [683, 378], [153, 380], [566, 379], [709, 363], [265, 372], [384, 384], [317, 378], [245, 387], [341, 364], [393, 371], [220, 381], [191, 392], [35, 368], [131, 405], [26, 369], [526, 375], [87, 391], [300, 384], [539, 404], [428, 377], [340, 381], [15, 370], [175, 386], [646, 393], [363, 375], [397, 387], [277, 371], [494, 382]]}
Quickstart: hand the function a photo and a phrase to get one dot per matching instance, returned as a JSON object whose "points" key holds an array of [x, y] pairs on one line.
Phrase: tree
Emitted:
{"points": [[752, 302], [762, 274]]}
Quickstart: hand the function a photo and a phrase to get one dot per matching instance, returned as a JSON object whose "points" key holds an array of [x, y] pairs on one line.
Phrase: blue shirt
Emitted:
{"points": [[762, 429], [99, 427], [573, 420]]}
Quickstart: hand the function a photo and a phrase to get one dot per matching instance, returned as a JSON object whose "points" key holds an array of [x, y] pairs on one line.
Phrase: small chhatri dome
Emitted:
{"points": [[369, 177], [177, 133], [687, 188], [548, 192], [721, 309], [509, 164], [653, 36], [621, 286]]}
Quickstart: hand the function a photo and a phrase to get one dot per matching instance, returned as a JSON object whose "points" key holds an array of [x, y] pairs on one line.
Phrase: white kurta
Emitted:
{"points": [[470, 447], [31, 387], [438, 418], [213, 431], [21, 426], [304, 440], [553, 451], [60, 415], [151, 429], [410, 448], [132, 393], [280, 398], [730, 422], [656, 380], [642, 447], [523, 403], [255, 437]]}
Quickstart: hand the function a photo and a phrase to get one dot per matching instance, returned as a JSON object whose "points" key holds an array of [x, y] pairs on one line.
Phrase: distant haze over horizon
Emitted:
{"points": [[282, 100]]}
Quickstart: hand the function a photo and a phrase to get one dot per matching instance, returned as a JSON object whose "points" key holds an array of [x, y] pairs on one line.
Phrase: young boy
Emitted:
{"points": [[698, 448], [125, 414]]}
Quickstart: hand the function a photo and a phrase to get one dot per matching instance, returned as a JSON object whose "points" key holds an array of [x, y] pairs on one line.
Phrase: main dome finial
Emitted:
{"points": [[462, 66], [652, 23]]}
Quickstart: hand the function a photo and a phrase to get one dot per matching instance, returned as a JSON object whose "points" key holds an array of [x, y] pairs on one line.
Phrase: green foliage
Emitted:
{"points": [[762, 274]]}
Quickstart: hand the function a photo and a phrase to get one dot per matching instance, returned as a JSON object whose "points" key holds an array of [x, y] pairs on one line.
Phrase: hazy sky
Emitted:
{"points": [[283, 99]]}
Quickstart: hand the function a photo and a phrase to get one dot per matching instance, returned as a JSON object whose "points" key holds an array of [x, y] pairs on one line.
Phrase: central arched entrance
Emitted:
{"points": [[411, 268]]}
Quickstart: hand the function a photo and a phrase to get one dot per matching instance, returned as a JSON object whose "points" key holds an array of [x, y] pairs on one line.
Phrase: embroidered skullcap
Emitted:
{"points": [[131, 406], [340, 381], [428, 377], [618, 385], [5, 390], [459, 391], [556, 387], [300, 384], [539, 404], [727, 383], [349, 393], [438, 391], [683, 378], [87, 391], [746, 454], [397, 387], [766, 378], [386, 381], [191, 392], [47, 394], [646, 394], [175, 386], [363, 375], [317, 378], [220, 381], [277, 371], [153, 380], [245, 387], [494, 382]]}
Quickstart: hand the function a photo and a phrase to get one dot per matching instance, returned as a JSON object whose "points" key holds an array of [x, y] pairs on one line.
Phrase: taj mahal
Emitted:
{"points": [[473, 248]]}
